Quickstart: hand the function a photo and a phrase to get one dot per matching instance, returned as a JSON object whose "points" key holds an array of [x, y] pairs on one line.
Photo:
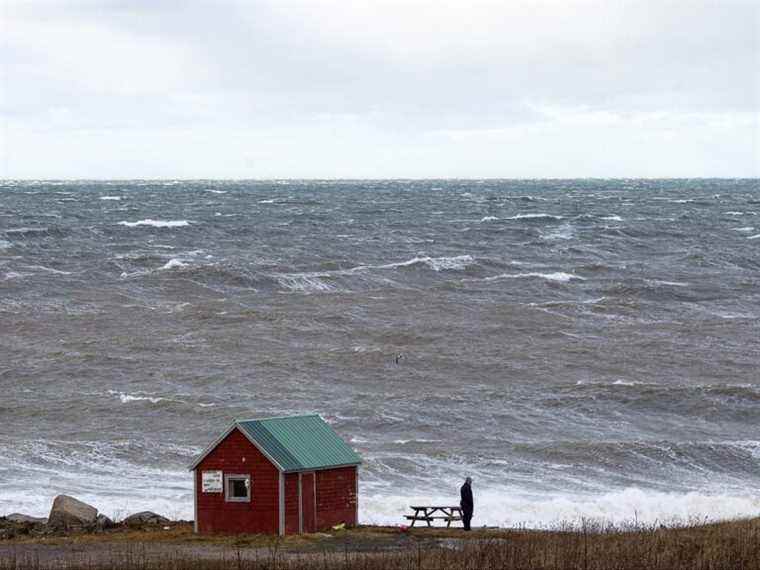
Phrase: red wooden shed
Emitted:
{"points": [[276, 476]]}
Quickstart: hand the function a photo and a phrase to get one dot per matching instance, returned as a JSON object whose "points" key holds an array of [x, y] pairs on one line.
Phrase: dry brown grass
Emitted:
{"points": [[730, 546]]}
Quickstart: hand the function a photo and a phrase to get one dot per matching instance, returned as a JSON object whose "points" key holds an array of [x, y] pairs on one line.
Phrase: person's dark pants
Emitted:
{"points": [[466, 518]]}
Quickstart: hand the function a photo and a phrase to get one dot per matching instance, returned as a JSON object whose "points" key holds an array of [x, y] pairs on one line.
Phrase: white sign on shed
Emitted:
{"points": [[211, 481]]}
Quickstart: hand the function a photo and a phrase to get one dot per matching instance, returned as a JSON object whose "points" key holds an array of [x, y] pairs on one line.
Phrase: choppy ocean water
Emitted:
{"points": [[579, 347]]}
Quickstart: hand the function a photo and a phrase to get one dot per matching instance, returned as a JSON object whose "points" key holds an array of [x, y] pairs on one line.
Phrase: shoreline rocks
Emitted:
{"points": [[22, 518], [145, 518], [70, 513]]}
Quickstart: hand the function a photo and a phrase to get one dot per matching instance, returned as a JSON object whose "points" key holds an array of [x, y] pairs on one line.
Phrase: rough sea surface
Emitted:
{"points": [[579, 347]]}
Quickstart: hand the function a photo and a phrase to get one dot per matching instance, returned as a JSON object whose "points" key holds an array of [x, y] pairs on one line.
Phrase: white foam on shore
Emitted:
{"points": [[503, 507], [508, 508], [156, 223]]}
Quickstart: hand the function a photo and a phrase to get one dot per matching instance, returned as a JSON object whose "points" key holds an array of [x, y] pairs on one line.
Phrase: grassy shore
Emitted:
{"points": [[727, 545]]}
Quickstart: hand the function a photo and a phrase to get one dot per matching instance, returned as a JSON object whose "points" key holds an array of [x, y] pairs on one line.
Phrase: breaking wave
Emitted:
{"points": [[538, 216], [156, 223], [559, 276]]}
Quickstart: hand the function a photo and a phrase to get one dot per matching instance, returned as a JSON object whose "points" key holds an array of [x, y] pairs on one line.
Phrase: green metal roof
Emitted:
{"points": [[300, 443]]}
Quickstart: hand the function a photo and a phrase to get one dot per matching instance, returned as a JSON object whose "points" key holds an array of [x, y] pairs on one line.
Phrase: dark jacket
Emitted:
{"points": [[466, 503]]}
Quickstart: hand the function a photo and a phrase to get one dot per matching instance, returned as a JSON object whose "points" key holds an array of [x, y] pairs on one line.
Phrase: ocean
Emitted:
{"points": [[581, 348]]}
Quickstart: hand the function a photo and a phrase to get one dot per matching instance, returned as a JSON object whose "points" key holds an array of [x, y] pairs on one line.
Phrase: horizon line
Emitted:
{"points": [[382, 179]]}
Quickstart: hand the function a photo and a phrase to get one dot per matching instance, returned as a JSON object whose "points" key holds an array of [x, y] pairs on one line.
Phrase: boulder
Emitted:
{"points": [[103, 522], [70, 513], [144, 518], [21, 518]]}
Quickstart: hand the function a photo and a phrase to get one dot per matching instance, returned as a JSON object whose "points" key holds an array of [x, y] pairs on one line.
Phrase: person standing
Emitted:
{"points": [[466, 502]]}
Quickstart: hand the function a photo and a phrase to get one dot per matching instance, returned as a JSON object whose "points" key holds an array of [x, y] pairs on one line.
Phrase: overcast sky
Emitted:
{"points": [[379, 88]]}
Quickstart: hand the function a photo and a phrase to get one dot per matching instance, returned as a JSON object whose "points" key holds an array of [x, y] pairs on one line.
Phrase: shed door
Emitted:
{"points": [[308, 502]]}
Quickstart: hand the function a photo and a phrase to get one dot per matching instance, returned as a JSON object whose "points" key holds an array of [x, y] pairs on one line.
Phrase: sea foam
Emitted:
{"points": [[510, 507], [559, 276], [174, 264], [539, 216], [126, 398], [456, 263], [156, 223]]}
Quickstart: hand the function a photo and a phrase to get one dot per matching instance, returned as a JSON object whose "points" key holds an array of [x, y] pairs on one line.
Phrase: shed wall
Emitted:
{"points": [[291, 503], [336, 497], [235, 454]]}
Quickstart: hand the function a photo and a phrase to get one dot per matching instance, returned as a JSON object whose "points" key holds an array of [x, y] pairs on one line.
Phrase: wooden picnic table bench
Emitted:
{"points": [[428, 514]]}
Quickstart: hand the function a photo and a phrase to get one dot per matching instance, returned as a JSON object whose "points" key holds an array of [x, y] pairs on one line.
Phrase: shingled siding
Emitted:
{"points": [[236, 455], [336, 497]]}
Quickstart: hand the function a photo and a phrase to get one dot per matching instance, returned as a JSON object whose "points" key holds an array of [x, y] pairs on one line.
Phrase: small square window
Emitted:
{"points": [[237, 488]]}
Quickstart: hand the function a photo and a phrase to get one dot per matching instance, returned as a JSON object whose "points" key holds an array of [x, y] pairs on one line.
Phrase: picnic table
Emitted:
{"points": [[428, 514]]}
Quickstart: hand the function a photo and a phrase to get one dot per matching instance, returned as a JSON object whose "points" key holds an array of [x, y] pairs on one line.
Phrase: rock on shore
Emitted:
{"points": [[70, 513], [145, 517], [21, 518]]}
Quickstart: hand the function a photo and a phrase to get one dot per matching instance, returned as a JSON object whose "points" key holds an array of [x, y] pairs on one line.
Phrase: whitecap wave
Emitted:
{"points": [[667, 283], [613, 218], [304, 282], [48, 269], [564, 232], [4, 244], [539, 216], [559, 276], [114, 198], [756, 236], [137, 397], [156, 223], [456, 263], [489, 219], [174, 264]]}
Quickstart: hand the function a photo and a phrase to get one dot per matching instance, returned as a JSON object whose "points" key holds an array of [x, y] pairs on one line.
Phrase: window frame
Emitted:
{"points": [[228, 478]]}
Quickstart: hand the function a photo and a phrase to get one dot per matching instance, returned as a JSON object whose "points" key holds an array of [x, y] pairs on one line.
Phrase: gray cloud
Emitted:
{"points": [[418, 88]]}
